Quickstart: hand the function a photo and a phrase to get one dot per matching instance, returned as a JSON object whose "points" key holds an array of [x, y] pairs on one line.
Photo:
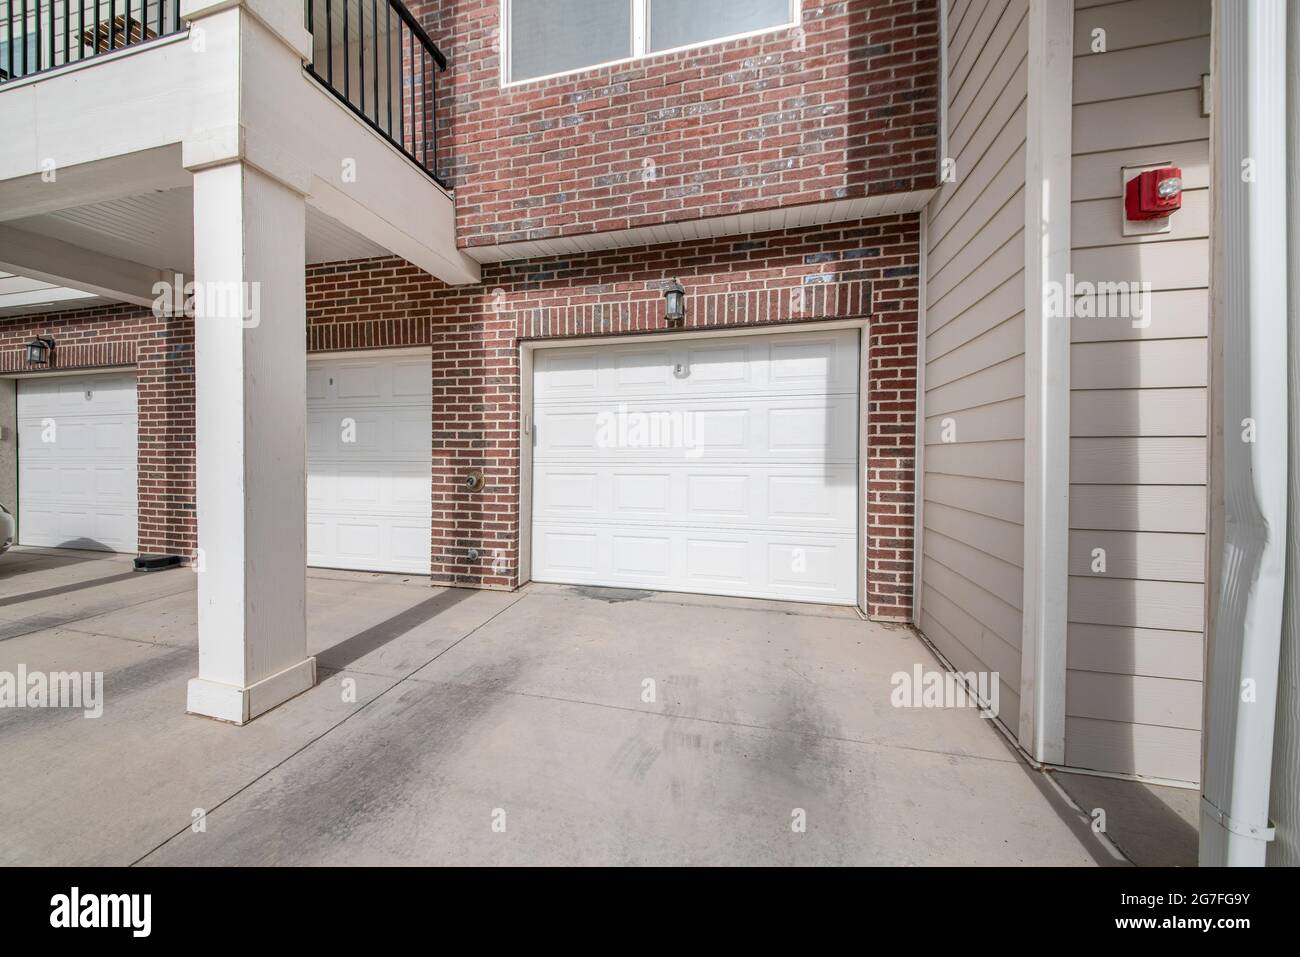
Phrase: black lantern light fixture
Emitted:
{"points": [[674, 303], [40, 351]]}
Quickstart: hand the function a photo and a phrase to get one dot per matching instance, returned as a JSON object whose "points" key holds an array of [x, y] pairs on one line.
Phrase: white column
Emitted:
{"points": [[250, 370]]}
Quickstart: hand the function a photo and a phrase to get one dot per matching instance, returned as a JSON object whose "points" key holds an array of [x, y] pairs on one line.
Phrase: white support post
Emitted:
{"points": [[1041, 729], [250, 370]]}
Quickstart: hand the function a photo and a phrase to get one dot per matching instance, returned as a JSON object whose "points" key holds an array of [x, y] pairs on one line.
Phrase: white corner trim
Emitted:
{"points": [[1047, 381], [918, 453]]}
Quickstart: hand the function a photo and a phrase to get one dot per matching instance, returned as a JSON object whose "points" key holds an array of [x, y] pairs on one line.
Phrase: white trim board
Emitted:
{"points": [[1048, 163], [713, 227]]}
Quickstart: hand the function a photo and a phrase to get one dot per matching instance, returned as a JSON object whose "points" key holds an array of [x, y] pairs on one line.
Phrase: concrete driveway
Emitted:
{"points": [[467, 727]]}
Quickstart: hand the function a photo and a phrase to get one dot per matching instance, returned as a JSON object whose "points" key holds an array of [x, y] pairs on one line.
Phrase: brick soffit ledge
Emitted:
{"points": [[816, 300], [73, 356]]}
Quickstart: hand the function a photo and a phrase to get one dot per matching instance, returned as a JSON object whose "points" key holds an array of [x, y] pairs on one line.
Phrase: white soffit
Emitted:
{"points": [[741, 224], [154, 229], [22, 296]]}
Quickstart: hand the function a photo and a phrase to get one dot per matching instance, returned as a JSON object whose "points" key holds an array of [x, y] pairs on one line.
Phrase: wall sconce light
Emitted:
{"points": [[674, 303], [40, 351]]}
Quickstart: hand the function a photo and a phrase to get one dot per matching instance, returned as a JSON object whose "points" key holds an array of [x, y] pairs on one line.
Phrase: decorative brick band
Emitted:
{"points": [[92, 355], [368, 334], [814, 300]]}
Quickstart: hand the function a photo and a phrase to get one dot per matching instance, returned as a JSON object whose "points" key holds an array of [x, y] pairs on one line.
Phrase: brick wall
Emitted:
{"points": [[845, 107], [162, 350], [846, 270], [849, 270]]}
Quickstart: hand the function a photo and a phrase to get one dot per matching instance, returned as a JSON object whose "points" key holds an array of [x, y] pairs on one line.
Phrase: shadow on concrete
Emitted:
{"points": [[1079, 823], [65, 589], [1154, 825], [361, 644], [19, 561]]}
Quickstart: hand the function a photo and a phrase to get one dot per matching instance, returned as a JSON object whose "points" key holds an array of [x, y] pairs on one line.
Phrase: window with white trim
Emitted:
{"points": [[544, 38]]}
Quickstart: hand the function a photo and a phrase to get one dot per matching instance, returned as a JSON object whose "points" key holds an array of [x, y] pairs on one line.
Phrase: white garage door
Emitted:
{"points": [[77, 461], [715, 465], [370, 462]]}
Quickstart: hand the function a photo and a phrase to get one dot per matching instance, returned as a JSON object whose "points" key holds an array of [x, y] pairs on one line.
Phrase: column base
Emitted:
{"points": [[212, 699]]}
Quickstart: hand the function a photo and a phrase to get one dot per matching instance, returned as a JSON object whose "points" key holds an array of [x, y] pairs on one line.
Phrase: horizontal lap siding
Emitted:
{"points": [[1138, 409], [973, 483]]}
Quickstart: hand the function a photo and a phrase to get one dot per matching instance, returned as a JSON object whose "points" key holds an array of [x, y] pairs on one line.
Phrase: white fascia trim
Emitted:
{"points": [[1047, 381], [776, 219], [943, 87], [918, 454]]}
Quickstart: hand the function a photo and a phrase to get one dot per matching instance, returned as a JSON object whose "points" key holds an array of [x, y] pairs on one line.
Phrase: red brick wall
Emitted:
{"points": [[848, 270], [162, 350], [848, 108], [845, 270]]}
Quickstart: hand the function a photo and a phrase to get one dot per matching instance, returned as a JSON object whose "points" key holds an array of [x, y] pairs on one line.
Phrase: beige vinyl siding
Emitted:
{"points": [[973, 487], [1138, 409]]}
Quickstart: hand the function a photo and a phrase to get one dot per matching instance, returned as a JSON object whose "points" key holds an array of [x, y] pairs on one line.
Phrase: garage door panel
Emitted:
{"points": [[376, 489], [77, 482], [817, 363], [567, 553], [357, 380], [721, 496], [745, 563], [636, 493], [410, 379], [369, 463], [721, 563], [368, 544], [713, 366], [637, 370], [803, 429], [362, 432], [317, 381], [641, 557], [726, 465], [109, 394], [808, 497]]}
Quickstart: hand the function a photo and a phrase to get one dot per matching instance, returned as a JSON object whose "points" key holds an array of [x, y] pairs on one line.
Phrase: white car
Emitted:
{"points": [[6, 530]]}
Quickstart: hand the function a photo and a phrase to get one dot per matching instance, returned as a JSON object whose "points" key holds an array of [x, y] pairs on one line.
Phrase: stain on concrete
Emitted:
{"points": [[611, 596]]}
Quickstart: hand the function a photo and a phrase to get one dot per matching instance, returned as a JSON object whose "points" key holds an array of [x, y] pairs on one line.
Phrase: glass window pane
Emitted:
{"points": [[554, 36], [677, 23]]}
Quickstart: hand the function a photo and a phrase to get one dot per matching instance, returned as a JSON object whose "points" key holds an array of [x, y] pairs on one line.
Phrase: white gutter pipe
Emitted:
{"points": [[1250, 310], [1285, 799]]}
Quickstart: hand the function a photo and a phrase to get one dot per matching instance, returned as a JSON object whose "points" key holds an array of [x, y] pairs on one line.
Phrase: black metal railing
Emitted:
{"points": [[39, 35], [375, 57]]}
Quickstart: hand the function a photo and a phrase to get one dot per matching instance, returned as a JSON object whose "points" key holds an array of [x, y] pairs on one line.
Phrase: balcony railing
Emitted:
{"points": [[371, 54], [375, 57], [37, 36]]}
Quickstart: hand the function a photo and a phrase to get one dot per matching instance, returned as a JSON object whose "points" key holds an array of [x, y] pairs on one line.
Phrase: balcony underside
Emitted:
{"points": [[135, 235], [98, 157]]}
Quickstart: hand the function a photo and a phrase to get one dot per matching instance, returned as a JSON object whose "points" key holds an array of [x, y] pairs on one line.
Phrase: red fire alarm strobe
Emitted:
{"points": [[1154, 194]]}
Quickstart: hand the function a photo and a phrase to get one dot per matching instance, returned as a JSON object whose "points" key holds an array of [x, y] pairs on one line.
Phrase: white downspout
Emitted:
{"points": [[1250, 308], [1285, 799]]}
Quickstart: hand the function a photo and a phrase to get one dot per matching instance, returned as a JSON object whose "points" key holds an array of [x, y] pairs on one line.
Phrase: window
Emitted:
{"points": [[21, 64], [680, 23], [549, 37]]}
